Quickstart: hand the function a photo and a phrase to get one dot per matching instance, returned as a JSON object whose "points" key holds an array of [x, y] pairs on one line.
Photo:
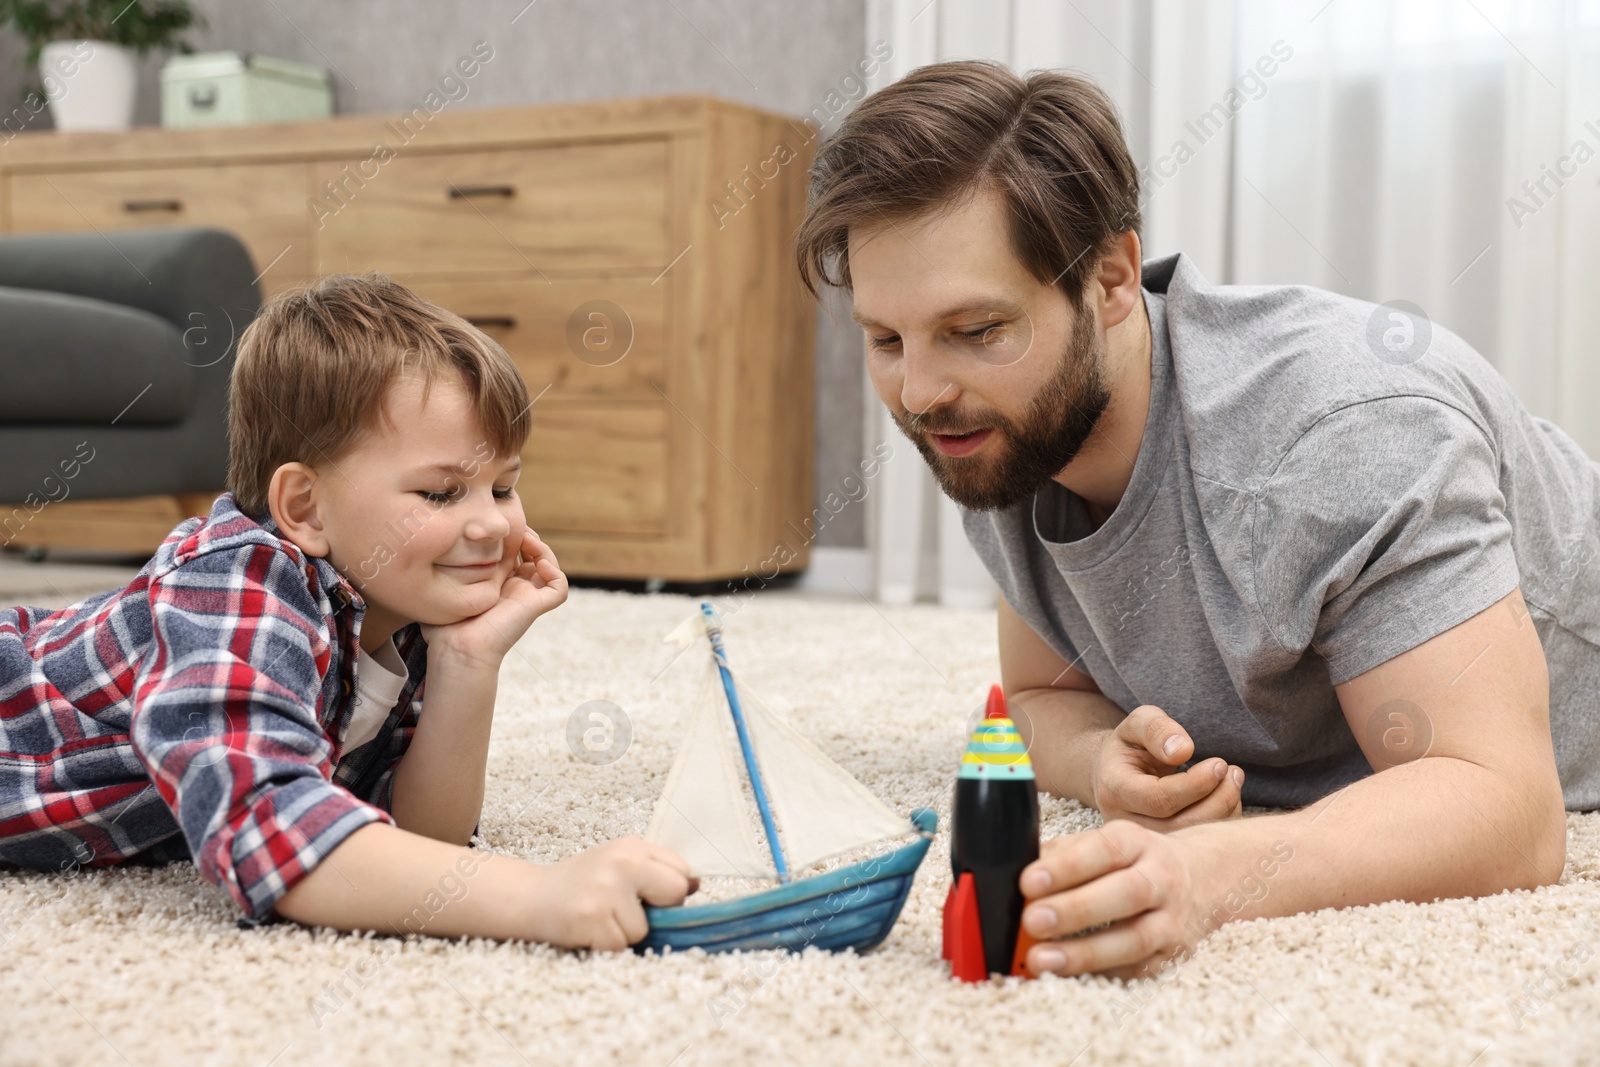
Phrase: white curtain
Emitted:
{"points": [[1373, 148]]}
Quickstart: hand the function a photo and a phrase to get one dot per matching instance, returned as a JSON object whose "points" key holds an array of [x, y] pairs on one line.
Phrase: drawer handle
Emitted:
{"points": [[152, 205], [462, 192], [505, 322]]}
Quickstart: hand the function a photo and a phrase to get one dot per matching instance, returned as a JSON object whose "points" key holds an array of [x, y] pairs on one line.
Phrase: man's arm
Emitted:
{"points": [[1058, 709], [1083, 747], [1466, 800], [1479, 811]]}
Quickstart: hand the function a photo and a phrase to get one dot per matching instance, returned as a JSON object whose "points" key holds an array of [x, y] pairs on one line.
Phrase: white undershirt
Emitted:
{"points": [[379, 680]]}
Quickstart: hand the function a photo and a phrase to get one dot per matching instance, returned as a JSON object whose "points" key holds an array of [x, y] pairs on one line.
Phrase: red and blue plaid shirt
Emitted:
{"points": [[197, 714]]}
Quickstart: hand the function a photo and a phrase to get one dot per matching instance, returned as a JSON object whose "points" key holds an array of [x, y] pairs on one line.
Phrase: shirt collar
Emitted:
{"points": [[335, 586]]}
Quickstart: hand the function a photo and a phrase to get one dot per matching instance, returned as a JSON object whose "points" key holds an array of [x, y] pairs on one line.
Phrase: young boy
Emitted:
{"points": [[253, 699]]}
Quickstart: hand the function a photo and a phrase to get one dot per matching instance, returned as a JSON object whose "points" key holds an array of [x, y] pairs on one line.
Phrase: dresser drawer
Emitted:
{"points": [[557, 208], [600, 469], [264, 204], [589, 339]]}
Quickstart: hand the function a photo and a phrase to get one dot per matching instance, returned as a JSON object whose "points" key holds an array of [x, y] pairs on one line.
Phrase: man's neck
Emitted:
{"points": [[1102, 469]]}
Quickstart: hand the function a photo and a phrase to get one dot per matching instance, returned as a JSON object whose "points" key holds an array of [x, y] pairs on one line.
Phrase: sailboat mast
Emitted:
{"points": [[714, 632]]}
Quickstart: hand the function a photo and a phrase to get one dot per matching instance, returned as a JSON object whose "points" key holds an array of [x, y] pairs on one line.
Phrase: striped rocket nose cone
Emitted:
{"points": [[996, 750]]}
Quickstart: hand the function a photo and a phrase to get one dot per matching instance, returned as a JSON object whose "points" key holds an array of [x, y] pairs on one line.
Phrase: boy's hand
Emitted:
{"points": [[596, 899], [1136, 776], [534, 586]]}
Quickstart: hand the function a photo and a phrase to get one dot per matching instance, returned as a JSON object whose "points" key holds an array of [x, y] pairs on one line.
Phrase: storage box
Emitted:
{"points": [[229, 89]]}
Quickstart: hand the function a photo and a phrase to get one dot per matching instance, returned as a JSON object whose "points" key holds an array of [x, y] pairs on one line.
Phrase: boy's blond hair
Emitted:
{"points": [[315, 367]]}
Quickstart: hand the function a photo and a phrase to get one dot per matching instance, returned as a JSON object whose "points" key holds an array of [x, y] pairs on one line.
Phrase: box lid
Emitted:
{"points": [[224, 64]]}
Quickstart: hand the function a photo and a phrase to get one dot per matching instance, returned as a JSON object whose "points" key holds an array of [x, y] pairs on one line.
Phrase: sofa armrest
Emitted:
{"points": [[200, 280]]}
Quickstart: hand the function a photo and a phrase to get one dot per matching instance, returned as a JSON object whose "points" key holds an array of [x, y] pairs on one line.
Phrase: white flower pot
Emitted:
{"points": [[90, 84]]}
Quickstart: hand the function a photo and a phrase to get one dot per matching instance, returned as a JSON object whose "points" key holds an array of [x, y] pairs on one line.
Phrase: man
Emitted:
{"points": [[1266, 545]]}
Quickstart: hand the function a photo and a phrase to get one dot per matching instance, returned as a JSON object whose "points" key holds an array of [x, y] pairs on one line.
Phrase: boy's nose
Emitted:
{"points": [[488, 523]]}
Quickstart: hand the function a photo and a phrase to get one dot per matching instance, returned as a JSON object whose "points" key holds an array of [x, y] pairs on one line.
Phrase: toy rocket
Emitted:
{"points": [[994, 834]]}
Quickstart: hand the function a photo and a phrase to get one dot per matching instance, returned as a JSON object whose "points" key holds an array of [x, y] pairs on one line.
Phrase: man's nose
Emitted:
{"points": [[927, 384]]}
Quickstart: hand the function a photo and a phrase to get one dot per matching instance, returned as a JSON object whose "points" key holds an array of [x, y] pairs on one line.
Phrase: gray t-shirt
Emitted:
{"points": [[1301, 511]]}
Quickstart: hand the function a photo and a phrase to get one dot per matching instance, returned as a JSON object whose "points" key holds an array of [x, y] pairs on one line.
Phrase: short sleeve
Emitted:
{"points": [[1383, 526], [225, 723]]}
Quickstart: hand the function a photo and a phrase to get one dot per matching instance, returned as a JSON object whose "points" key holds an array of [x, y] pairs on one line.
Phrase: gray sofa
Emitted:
{"points": [[115, 351]]}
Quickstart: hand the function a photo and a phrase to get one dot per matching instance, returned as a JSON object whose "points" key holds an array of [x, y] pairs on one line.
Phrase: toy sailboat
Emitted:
{"points": [[810, 809]]}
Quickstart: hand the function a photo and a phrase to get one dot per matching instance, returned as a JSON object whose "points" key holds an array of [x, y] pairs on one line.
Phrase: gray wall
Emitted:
{"points": [[385, 55]]}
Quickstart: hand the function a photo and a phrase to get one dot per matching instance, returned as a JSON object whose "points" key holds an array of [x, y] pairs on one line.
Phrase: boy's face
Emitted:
{"points": [[422, 516]]}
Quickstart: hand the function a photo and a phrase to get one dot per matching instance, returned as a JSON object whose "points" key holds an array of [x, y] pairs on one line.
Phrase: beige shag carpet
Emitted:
{"points": [[145, 966]]}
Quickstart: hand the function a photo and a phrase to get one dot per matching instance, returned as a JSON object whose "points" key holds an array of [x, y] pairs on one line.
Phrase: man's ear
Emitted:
{"points": [[292, 499], [1118, 279]]}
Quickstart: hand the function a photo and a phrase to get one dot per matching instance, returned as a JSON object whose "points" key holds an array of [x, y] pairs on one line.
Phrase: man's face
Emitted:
{"points": [[988, 371], [422, 516]]}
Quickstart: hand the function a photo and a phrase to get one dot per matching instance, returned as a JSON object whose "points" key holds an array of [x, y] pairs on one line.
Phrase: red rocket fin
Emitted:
{"points": [[1019, 961], [966, 936], [997, 703], [949, 914]]}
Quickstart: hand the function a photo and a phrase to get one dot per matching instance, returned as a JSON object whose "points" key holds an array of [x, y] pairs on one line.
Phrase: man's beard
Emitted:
{"points": [[1031, 450]]}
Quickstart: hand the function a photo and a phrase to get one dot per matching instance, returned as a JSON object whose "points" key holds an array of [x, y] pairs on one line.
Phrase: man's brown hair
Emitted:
{"points": [[1051, 143], [315, 367]]}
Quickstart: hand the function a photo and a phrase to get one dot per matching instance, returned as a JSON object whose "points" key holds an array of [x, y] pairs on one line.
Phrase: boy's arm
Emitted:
{"points": [[389, 880], [224, 722], [438, 784]]}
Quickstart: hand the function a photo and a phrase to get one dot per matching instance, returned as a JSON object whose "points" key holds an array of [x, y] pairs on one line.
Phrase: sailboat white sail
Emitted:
{"points": [[820, 810]]}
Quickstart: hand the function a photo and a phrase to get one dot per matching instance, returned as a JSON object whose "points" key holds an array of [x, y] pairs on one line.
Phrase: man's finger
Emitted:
{"points": [[1119, 951], [1122, 944], [1163, 796], [1121, 894], [1223, 802], [1065, 862], [1153, 728]]}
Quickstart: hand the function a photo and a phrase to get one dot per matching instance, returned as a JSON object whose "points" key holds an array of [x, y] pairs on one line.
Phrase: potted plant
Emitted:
{"points": [[85, 52]]}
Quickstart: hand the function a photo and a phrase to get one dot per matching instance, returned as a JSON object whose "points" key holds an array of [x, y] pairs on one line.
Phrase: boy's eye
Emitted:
{"points": [[506, 493], [443, 496]]}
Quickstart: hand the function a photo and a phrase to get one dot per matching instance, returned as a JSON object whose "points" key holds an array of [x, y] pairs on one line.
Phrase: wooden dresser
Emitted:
{"points": [[635, 257]]}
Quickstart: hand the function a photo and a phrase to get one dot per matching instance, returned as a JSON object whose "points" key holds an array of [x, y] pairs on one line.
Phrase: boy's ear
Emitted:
{"points": [[292, 499]]}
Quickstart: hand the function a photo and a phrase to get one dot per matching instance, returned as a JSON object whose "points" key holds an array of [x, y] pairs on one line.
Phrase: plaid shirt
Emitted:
{"points": [[197, 714]]}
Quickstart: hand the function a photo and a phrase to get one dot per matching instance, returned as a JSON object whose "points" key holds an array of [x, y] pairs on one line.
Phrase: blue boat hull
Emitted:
{"points": [[853, 907]]}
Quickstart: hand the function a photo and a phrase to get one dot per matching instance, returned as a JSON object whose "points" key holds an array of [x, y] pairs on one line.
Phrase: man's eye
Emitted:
{"points": [[980, 334], [882, 342]]}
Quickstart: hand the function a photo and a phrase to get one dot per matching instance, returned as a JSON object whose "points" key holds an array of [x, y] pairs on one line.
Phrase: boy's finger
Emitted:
{"points": [[1165, 795], [665, 855], [662, 886], [633, 922]]}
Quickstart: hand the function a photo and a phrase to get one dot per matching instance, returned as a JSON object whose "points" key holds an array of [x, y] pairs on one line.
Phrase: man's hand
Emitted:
{"points": [[1136, 777], [596, 899], [1147, 885], [534, 586]]}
